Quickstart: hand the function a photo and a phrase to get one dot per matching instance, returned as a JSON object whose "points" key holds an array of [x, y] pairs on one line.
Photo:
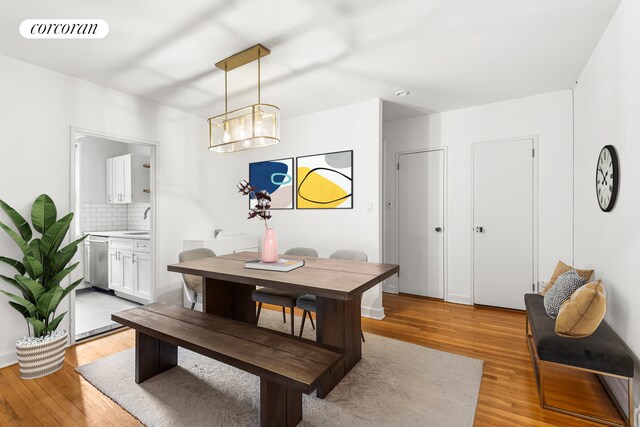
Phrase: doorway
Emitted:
{"points": [[504, 235], [420, 222], [113, 200]]}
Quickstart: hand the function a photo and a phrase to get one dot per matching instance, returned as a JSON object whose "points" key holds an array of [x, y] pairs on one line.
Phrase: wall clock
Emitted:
{"points": [[607, 178]]}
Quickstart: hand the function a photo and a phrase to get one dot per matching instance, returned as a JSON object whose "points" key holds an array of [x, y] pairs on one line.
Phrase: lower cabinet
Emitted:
{"points": [[130, 273], [142, 275]]}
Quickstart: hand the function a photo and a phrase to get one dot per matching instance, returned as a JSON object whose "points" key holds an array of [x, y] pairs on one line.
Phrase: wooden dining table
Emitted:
{"points": [[337, 284]]}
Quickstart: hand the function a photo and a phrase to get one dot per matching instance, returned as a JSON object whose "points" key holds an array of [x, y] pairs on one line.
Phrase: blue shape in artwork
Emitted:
{"points": [[261, 175], [286, 179]]}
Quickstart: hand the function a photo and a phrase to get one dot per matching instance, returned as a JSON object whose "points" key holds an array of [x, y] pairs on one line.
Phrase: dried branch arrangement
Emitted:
{"points": [[263, 201]]}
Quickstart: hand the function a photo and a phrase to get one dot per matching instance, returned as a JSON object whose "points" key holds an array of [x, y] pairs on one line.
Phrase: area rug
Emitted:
{"points": [[395, 384]]}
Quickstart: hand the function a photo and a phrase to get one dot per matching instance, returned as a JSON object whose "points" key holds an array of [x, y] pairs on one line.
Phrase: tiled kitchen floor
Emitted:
{"points": [[94, 309]]}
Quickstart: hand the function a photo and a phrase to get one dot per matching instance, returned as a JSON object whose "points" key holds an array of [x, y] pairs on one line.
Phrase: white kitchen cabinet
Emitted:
{"points": [[130, 268], [127, 178], [224, 245], [116, 270], [142, 275]]}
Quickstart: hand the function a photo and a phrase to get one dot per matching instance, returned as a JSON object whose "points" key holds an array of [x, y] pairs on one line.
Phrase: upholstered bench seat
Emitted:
{"points": [[602, 351]]}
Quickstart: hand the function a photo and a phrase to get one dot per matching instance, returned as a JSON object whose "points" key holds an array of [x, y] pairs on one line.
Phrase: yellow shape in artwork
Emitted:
{"points": [[316, 191]]}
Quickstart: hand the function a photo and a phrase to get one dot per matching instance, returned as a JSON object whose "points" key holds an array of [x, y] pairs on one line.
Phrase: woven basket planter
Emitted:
{"points": [[39, 357]]}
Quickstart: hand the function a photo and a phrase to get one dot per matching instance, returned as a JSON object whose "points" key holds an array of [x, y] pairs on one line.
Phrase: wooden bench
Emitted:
{"points": [[287, 366]]}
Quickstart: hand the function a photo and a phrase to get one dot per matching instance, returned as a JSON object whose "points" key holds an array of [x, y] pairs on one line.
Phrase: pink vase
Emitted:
{"points": [[270, 246]]}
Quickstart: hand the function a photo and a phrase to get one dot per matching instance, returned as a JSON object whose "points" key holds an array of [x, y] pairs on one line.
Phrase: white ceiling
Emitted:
{"points": [[325, 53]]}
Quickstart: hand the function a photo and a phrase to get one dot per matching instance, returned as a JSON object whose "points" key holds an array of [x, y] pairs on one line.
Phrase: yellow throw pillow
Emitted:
{"points": [[581, 314], [562, 268]]}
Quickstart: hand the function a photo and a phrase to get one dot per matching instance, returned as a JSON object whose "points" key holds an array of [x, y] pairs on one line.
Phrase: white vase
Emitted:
{"points": [[39, 357]]}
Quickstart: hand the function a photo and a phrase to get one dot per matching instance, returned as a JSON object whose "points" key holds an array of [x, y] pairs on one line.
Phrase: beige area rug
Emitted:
{"points": [[395, 384]]}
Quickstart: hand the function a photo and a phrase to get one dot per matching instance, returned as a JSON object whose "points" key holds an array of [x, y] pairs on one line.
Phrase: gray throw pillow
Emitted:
{"points": [[561, 291]]}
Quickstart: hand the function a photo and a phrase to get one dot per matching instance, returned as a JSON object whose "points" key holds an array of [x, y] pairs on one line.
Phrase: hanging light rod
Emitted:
{"points": [[242, 58]]}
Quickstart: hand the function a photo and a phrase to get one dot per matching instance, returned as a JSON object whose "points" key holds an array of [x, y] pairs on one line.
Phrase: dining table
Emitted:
{"points": [[337, 284]]}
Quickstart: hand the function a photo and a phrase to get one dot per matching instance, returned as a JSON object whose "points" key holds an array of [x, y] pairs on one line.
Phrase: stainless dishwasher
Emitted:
{"points": [[99, 262]]}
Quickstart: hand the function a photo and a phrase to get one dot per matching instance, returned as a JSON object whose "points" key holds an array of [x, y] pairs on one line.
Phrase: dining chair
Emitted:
{"points": [[279, 297], [308, 303], [193, 284]]}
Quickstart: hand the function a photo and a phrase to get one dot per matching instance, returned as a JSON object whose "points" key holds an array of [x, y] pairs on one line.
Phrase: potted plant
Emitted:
{"points": [[43, 267], [261, 211]]}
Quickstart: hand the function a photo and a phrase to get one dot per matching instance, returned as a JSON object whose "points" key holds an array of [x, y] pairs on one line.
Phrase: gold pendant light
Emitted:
{"points": [[254, 126]]}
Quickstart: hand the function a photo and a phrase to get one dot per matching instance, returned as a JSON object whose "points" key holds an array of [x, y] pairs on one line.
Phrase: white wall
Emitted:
{"points": [[355, 127], [607, 108], [37, 109], [547, 116]]}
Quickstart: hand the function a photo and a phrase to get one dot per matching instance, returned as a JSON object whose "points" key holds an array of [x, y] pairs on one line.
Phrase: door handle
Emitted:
{"points": [[133, 259], [439, 229], [479, 229]]}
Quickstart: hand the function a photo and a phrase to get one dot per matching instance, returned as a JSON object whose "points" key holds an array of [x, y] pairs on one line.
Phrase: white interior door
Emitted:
{"points": [[421, 223], [503, 222]]}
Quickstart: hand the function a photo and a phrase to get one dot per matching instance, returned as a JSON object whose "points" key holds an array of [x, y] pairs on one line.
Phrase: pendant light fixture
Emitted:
{"points": [[254, 126]]}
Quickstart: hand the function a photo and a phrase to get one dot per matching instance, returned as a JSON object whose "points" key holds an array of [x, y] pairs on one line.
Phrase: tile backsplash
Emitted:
{"points": [[109, 217]]}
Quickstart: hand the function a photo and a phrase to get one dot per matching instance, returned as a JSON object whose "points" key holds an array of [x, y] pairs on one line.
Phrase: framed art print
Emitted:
{"points": [[325, 181], [276, 177]]}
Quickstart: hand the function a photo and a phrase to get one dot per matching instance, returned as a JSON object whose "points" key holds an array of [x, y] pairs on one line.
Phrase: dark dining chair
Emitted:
{"points": [[279, 297], [308, 303]]}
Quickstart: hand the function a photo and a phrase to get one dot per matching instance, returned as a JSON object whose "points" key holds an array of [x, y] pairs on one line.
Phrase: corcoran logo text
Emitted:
{"points": [[64, 29]]}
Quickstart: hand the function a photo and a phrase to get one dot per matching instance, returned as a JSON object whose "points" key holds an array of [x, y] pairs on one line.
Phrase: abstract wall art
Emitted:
{"points": [[276, 177], [325, 181]]}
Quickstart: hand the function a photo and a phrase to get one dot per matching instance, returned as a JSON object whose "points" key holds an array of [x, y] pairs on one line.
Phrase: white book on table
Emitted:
{"points": [[281, 265]]}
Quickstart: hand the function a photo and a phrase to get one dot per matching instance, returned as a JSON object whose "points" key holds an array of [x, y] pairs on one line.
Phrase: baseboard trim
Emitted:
{"points": [[459, 299], [373, 312], [390, 289], [7, 359]]}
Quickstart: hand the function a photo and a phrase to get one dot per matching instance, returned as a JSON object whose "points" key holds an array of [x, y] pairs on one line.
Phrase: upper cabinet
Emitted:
{"points": [[127, 179]]}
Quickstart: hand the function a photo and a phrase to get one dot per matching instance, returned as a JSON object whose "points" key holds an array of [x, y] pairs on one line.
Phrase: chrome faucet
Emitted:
{"points": [[146, 212]]}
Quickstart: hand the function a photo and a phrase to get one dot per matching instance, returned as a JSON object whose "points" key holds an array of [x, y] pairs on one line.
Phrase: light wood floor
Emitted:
{"points": [[507, 394]]}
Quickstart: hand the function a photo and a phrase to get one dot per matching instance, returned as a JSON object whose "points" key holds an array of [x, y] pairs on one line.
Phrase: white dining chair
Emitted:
{"points": [[193, 284]]}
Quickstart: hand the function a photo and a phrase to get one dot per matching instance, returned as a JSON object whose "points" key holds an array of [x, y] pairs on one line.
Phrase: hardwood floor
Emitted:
{"points": [[508, 394]]}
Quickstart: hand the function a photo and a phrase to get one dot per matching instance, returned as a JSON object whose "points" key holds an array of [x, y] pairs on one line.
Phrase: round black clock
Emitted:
{"points": [[607, 178]]}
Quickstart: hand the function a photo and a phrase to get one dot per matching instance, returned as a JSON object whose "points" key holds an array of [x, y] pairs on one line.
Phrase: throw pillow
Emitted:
{"points": [[562, 268], [561, 291], [581, 314]]}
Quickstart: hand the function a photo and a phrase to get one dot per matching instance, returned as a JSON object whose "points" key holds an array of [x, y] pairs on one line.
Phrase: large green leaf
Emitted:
{"points": [[63, 256], [71, 287], [35, 249], [55, 234], [33, 267], [24, 246], [18, 286], [55, 280], [21, 224], [20, 309], [13, 263], [38, 326], [26, 304], [43, 213], [34, 288], [53, 325], [48, 302]]}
